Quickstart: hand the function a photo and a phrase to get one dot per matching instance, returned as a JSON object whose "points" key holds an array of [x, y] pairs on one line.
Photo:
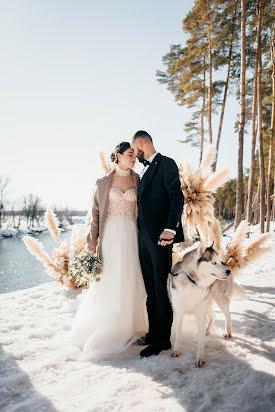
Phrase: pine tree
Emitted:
{"points": [[227, 33], [272, 126], [185, 77], [213, 31], [239, 191]]}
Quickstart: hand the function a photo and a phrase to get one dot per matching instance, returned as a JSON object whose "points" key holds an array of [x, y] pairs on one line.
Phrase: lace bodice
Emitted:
{"points": [[122, 203]]}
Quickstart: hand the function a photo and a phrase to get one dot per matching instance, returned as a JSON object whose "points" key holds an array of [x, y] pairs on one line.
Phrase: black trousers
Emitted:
{"points": [[156, 263]]}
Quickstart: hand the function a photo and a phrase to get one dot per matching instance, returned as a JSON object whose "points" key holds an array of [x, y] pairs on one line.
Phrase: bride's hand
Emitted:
{"points": [[91, 247]]}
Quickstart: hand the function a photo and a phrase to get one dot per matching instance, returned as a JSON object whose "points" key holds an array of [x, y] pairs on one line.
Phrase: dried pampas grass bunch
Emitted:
{"points": [[197, 188], [104, 164], [78, 241], [238, 253], [57, 267], [234, 251], [198, 214]]}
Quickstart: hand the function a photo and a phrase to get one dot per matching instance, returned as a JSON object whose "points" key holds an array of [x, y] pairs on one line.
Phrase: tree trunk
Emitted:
{"points": [[225, 92], [239, 191], [271, 138], [202, 114], [253, 144], [222, 109], [210, 87], [260, 117]]}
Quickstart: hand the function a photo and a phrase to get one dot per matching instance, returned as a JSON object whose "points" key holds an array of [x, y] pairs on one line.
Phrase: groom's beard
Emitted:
{"points": [[140, 155]]}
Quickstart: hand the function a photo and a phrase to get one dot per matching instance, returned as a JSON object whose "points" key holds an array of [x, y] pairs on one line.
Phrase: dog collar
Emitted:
{"points": [[192, 280]]}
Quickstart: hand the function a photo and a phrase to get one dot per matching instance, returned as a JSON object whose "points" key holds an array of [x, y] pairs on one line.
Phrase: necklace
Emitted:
{"points": [[121, 172]]}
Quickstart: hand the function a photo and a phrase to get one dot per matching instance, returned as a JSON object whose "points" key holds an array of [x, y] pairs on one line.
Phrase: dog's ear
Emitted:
{"points": [[211, 246], [201, 249]]}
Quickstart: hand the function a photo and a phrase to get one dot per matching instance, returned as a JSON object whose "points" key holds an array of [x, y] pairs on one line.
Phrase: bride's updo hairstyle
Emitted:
{"points": [[120, 148]]}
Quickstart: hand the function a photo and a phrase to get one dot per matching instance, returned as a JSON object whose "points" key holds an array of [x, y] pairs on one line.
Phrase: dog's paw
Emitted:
{"points": [[176, 353], [227, 335], [200, 363], [207, 332]]}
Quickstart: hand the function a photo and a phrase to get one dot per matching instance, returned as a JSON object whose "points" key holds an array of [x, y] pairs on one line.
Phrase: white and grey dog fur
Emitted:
{"points": [[189, 291], [222, 293]]}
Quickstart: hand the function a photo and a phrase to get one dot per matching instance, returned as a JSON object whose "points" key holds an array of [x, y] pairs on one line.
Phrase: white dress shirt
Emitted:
{"points": [[142, 173], [144, 170]]}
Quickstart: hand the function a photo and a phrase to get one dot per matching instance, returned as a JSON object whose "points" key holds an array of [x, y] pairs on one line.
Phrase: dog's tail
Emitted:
{"points": [[239, 292]]}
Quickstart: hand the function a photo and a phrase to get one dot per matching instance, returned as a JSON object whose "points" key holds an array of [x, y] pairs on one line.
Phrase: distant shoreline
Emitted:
{"points": [[11, 233], [8, 233]]}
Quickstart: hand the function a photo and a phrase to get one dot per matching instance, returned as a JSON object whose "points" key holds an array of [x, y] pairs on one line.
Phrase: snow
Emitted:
{"points": [[9, 231], [4, 233], [41, 371]]}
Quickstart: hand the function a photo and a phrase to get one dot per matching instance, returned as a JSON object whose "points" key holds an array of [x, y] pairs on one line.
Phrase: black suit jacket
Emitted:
{"points": [[160, 199]]}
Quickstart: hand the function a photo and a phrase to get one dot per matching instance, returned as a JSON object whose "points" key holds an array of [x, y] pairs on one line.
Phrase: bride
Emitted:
{"points": [[112, 313]]}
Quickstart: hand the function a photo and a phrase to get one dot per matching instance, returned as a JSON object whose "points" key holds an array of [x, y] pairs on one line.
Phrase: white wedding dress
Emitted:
{"points": [[112, 313]]}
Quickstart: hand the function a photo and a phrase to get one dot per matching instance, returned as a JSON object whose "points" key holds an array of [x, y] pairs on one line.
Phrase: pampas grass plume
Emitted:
{"points": [[215, 180], [215, 235], [104, 164], [36, 248], [208, 157], [52, 223], [78, 241], [255, 248]]}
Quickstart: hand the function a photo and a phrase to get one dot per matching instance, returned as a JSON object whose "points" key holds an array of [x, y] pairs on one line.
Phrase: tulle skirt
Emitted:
{"points": [[112, 313]]}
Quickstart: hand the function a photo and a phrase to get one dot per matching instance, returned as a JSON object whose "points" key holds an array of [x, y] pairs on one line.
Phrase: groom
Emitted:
{"points": [[160, 204]]}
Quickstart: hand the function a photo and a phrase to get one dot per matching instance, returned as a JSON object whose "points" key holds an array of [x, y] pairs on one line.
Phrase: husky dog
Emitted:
{"points": [[189, 292], [222, 292]]}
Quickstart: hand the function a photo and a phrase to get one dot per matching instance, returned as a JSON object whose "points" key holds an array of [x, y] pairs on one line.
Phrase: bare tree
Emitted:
{"points": [[18, 207], [3, 186], [32, 209]]}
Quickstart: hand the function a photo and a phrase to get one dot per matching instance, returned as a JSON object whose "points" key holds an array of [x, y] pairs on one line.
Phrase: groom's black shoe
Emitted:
{"points": [[145, 340], [154, 349]]}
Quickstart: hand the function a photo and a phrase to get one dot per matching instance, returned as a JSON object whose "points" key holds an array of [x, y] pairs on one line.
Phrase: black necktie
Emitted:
{"points": [[146, 162]]}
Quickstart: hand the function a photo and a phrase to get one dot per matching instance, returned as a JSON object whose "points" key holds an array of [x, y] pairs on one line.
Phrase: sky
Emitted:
{"points": [[78, 77]]}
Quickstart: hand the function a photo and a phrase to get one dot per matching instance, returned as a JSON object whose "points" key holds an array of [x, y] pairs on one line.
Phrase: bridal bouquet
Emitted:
{"points": [[85, 268]]}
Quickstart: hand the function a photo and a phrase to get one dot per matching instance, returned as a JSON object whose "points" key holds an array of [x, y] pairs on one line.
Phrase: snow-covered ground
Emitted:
{"points": [[41, 371]]}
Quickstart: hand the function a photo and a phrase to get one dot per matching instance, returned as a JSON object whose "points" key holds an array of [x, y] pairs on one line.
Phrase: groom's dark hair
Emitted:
{"points": [[141, 134]]}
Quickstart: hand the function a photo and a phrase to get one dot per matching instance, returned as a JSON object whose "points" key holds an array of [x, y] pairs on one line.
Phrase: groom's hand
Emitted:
{"points": [[166, 235]]}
